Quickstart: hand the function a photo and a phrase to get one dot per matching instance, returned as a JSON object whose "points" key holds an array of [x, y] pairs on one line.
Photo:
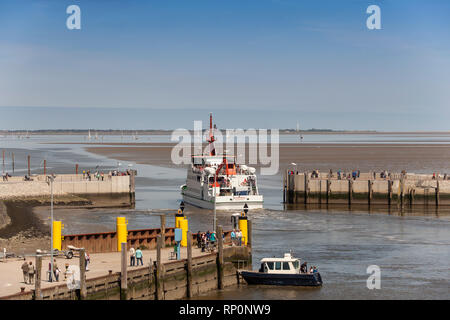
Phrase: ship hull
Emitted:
{"points": [[226, 203], [304, 280]]}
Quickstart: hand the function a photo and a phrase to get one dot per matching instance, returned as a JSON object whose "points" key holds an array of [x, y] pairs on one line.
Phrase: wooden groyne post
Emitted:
{"points": [[83, 291], [390, 183], [123, 273], [189, 265], [37, 279], [158, 275], [306, 187], [350, 191], [328, 189], [163, 229], [437, 191]]}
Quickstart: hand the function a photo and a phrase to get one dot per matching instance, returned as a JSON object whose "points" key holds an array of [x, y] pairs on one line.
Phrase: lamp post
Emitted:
{"points": [[294, 164], [51, 180]]}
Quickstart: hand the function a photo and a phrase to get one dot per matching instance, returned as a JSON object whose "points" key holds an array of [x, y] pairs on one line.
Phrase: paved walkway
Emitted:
{"points": [[11, 277]]}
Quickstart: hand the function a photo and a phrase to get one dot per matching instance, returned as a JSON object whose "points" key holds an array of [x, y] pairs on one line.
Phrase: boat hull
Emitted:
{"points": [[224, 205], [307, 280]]}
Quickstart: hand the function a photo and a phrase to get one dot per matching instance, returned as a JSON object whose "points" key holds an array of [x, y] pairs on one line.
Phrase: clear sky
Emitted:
{"points": [[286, 61]]}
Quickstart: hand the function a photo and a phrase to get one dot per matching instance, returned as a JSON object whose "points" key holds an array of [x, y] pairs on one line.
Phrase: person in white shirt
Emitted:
{"points": [[132, 256]]}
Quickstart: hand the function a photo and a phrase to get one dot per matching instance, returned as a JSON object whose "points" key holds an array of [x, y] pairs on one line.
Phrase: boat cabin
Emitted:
{"points": [[288, 264]]}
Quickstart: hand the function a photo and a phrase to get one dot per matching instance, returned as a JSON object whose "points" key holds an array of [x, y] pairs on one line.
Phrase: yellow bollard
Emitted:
{"points": [[122, 234], [178, 217], [57, 237], [184, 229], [243, 227]]}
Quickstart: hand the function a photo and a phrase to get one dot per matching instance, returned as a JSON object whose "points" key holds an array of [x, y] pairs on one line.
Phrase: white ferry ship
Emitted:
{"points": [[217, 181]]}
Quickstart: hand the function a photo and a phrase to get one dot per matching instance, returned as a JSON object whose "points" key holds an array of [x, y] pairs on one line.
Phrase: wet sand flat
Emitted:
{"points": [[424, 158]]}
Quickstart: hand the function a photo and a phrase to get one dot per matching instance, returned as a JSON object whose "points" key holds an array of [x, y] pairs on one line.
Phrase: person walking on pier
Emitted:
{"points": [[139, 256], [204, 241], [55, 270], [199, 240], [87, 260], [132, 256], [213, 238], [31, 272], [239, 237], [233, 237], [25, 270]]}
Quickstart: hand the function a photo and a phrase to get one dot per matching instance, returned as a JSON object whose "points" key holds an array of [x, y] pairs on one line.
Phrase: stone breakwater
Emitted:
{"points": [[367, 188]]}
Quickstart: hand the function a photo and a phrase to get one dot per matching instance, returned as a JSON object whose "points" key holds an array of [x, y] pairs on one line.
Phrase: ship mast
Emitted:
{"points": [[212, 149]]}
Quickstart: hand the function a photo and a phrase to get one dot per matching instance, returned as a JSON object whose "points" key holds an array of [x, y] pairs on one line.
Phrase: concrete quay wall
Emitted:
{"points": [[65, 184]]}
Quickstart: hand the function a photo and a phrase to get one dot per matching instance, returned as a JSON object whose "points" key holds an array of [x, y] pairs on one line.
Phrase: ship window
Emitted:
{"points": [[286, 266], [270, 265], [277, 265], [296, 264]]}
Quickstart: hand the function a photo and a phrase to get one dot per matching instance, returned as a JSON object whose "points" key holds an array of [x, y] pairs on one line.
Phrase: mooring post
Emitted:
{"points": [[328, 189], [29, 170], [76, 169], [249, 242], [437, 191], [151, 274], [389, 191], [219, 257], [37, 279], [350, 191], [306, 187], [402, 190], [123, 272], [83, 292], [249, 233], [189, 264], [158, 278], [163, 230], [370, 184], [320, 191]]}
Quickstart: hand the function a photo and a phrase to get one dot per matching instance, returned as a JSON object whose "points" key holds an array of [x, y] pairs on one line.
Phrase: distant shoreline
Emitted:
{"points": [[83, 132]]}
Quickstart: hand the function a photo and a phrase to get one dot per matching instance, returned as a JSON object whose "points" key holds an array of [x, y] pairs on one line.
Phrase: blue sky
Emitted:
{"points": [[311, 61]]}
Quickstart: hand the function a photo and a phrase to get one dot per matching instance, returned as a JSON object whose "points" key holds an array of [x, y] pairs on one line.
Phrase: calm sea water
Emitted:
{"points": [[410, 247]]}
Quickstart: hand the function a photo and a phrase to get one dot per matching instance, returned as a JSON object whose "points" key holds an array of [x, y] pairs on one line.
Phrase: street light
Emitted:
{"points": [[50, 181], [294, 164]]}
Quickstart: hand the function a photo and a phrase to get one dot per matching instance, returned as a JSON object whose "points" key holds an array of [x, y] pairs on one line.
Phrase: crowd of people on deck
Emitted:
{"points": [[100, 176], [304, 268], [207, 240]]}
